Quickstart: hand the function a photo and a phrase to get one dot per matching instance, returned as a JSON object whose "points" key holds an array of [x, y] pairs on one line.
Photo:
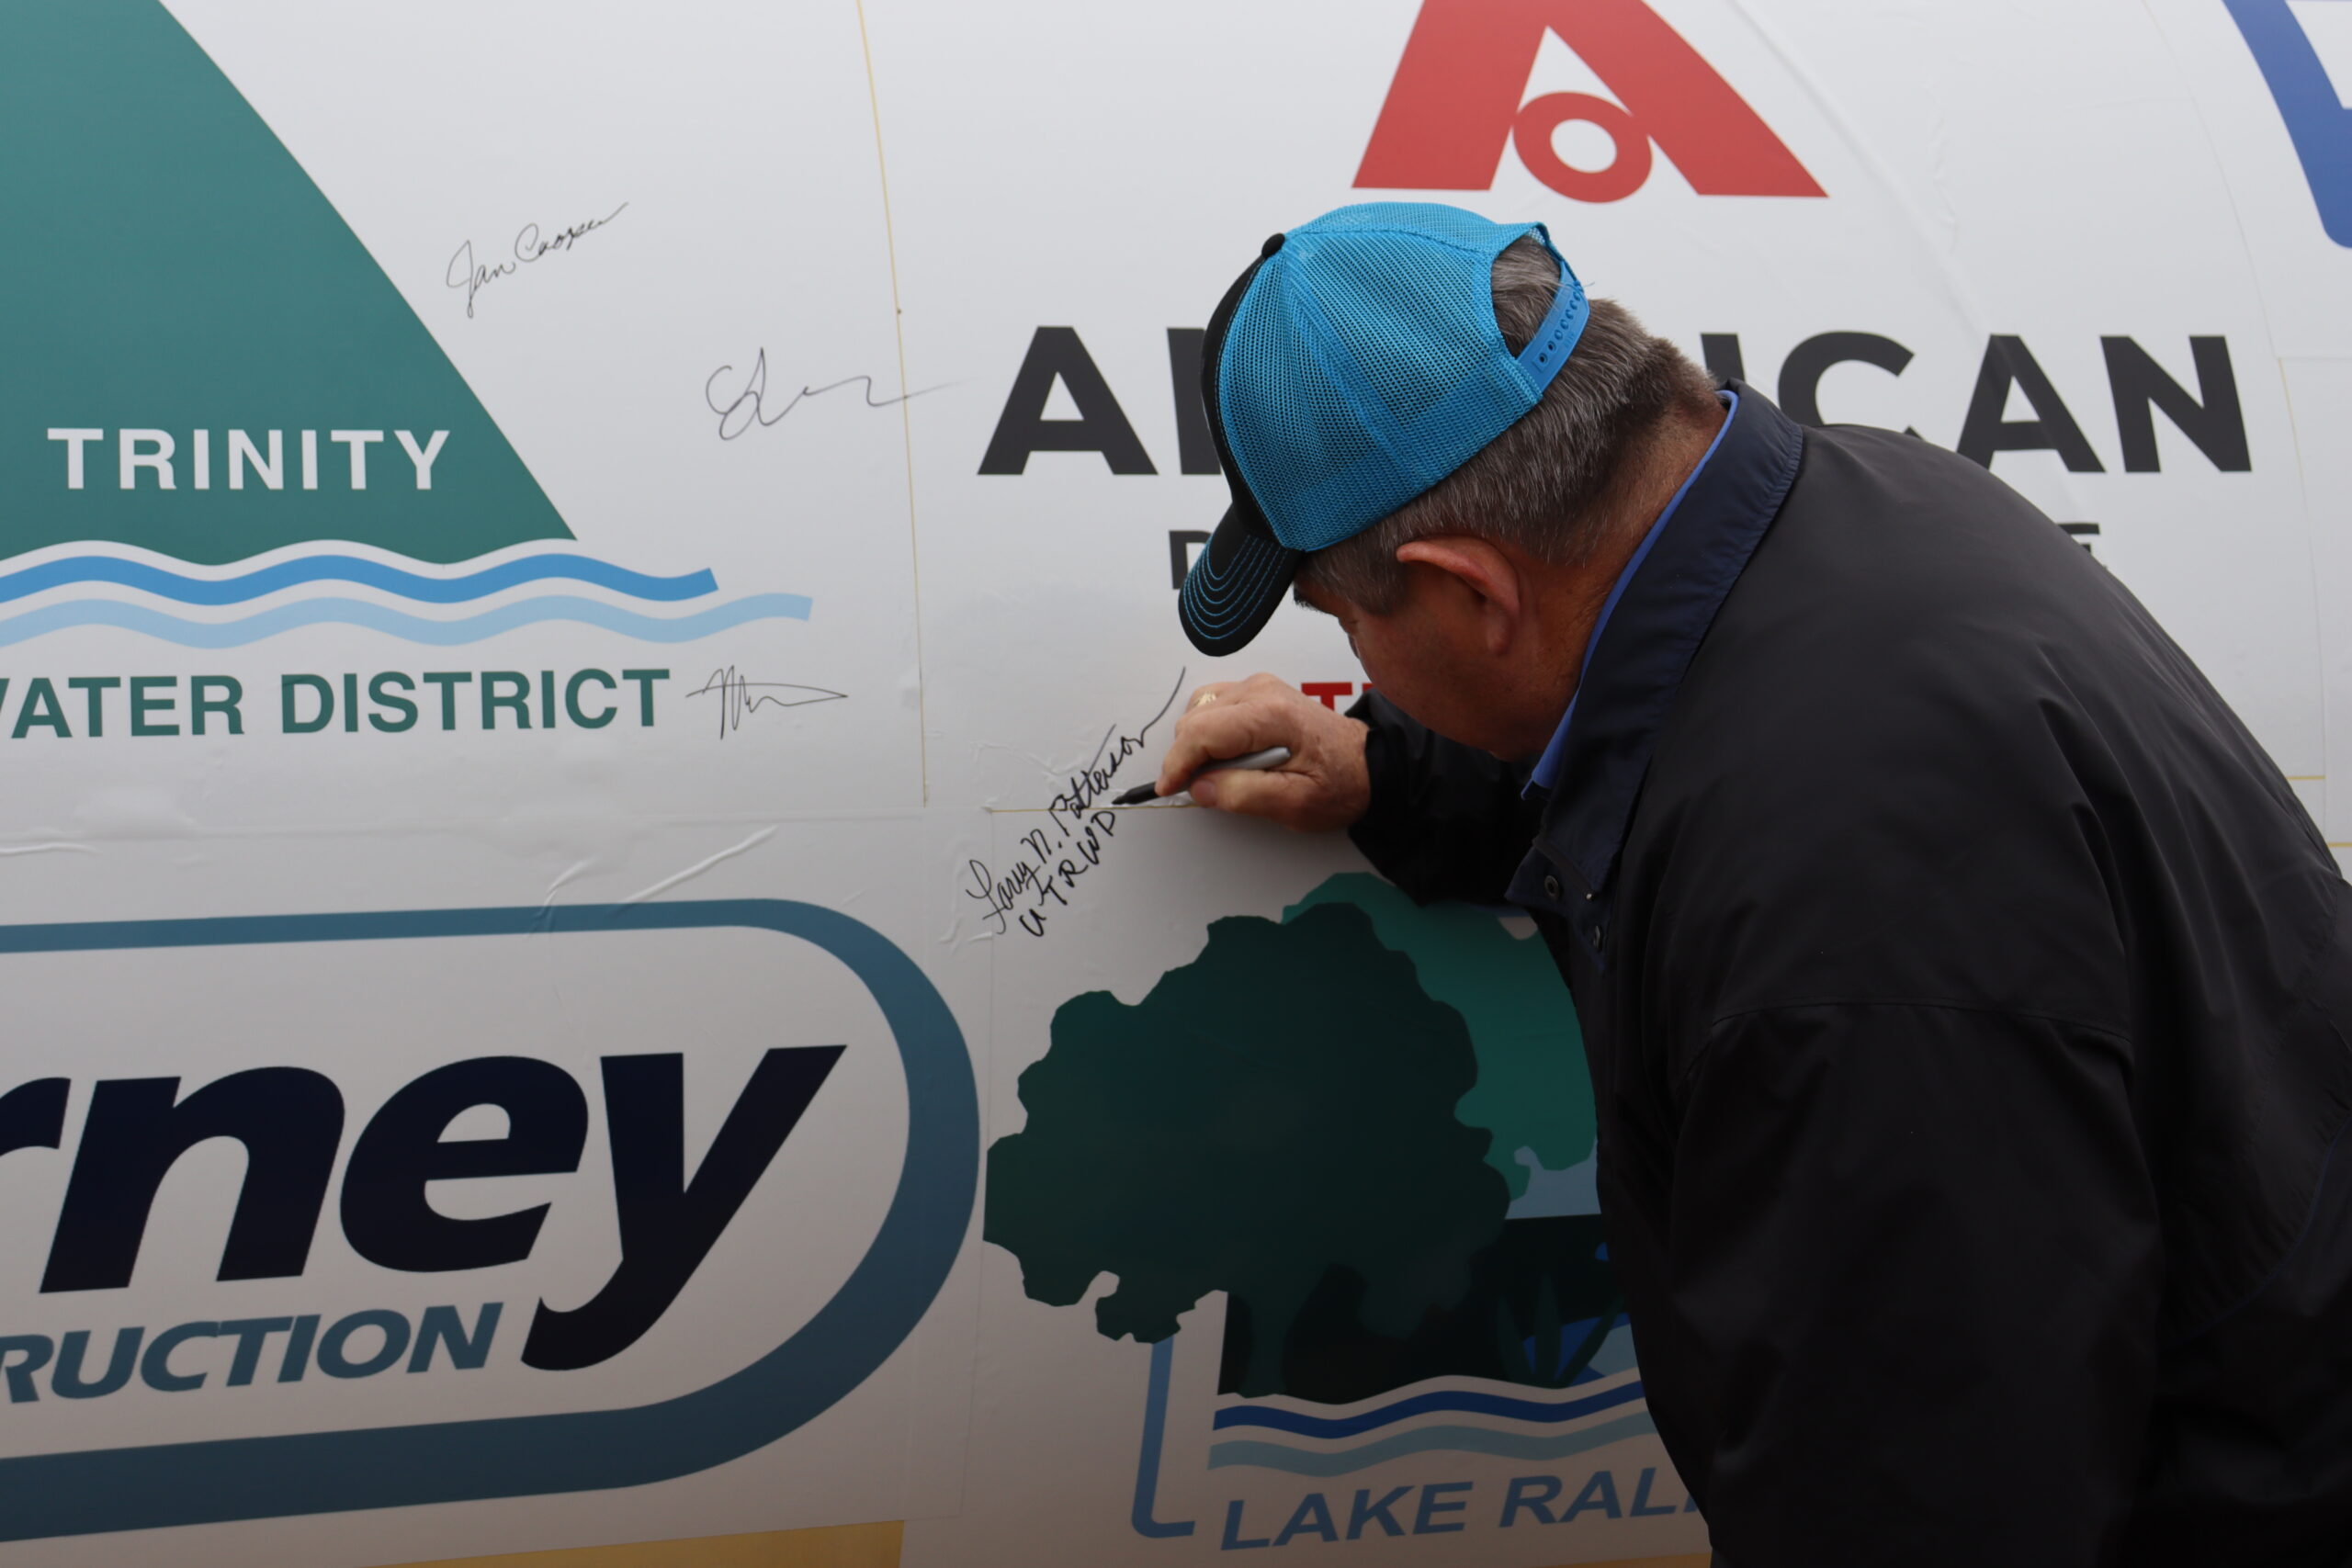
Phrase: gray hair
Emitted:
{"points": [[1535, 485]]}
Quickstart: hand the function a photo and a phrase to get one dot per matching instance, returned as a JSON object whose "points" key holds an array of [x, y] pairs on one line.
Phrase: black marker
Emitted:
{"points": [[1256, 762]]}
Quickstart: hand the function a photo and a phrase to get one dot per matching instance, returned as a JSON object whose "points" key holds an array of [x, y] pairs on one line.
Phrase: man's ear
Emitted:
{"points": [[1487, 574]]}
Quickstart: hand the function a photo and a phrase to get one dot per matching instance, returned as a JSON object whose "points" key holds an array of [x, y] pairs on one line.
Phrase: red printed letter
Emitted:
{"points": [[1330, 691], [1455, 99]]}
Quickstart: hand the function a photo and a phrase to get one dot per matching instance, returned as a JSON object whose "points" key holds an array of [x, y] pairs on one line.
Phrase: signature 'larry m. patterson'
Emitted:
{"points": [[1079, 827]]}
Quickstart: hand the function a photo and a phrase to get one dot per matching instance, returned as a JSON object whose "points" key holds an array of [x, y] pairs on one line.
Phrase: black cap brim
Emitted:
{"points": [[1239, 580], [1236, 585]]}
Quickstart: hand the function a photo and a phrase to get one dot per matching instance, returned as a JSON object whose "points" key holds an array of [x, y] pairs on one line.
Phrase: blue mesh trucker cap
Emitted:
{"points": [[1352, 366]]}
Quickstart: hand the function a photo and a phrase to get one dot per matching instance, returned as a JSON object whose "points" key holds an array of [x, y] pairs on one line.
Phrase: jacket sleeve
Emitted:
{"points": [[1913, 1267], [1447, 820]]}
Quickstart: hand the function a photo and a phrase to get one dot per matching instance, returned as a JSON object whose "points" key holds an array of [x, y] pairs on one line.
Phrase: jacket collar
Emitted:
{"points": [[1639, 659]]}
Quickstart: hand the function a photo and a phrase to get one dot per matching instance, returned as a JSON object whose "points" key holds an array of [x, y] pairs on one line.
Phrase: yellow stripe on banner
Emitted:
{"points": [[843, 1546]]}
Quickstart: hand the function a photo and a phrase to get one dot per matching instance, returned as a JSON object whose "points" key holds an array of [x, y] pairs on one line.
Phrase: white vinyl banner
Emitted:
{"points": [[575, 586]]}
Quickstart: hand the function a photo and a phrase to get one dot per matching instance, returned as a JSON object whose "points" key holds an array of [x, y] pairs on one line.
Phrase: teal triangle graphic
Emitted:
{"points": [[168, 266]]}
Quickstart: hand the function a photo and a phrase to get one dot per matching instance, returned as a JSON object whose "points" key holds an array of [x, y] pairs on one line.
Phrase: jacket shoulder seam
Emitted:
{"points": [[1940, 1003], [1682, 1078]]}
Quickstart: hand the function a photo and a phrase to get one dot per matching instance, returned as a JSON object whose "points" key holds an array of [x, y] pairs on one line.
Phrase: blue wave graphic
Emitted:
{"points": [[1427, 1440], [169, 584], [394, 622], [1468, 1401]]}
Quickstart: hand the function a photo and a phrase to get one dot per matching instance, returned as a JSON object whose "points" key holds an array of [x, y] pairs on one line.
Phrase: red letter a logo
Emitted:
{"points": [[1455, 102]]}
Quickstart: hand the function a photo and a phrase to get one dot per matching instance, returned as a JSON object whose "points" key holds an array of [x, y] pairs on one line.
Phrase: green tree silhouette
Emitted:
{"points": [[1533, 1091], [1281, 1105]]}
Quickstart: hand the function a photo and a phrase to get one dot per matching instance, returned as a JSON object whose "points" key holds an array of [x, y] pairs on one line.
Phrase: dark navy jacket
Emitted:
{"points": [[1967, 999]]}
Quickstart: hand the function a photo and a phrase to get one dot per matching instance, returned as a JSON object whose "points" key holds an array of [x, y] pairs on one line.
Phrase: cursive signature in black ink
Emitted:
{"points": [[531, 243], [1048, 861], [751, 403], [740, 698]]}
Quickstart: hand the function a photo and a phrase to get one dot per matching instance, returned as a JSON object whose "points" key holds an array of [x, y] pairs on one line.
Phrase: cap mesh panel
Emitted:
{"points": [[1363, 365]]}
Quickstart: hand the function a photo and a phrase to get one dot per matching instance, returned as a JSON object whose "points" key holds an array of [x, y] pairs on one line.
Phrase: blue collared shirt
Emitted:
{"points": [[1547, 767]]}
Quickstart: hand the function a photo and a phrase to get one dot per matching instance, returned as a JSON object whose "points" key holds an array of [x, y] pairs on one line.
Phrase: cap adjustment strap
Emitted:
{"points": [[1556, 337]]}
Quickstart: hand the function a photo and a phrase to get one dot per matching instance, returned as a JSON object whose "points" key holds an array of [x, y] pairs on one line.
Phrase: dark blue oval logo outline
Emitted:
{"points": [[514, 1456]]}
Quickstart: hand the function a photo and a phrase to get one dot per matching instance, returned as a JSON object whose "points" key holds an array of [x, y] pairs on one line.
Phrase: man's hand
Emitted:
{"points": [[1325, 783]]}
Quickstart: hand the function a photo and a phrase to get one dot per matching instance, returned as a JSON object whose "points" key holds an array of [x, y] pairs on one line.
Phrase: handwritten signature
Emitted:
{"points": [[739, 698], [751, 403], [1078, 830], [531, 243]]}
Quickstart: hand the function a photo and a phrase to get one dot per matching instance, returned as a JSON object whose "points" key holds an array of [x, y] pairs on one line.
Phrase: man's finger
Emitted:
{"points": [[1275, 795], [1223, 730]]}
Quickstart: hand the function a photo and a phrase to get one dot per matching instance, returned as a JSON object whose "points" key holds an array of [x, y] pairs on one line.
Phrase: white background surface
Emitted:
{"points": [[2056, 171]]}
